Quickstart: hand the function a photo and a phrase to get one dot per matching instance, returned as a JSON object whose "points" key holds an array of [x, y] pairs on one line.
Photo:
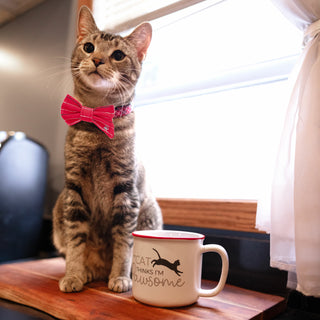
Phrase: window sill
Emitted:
{"points": [[233, 215]]}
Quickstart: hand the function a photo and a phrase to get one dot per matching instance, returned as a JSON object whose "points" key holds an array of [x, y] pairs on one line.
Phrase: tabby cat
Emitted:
{"points": [[105, 197]]}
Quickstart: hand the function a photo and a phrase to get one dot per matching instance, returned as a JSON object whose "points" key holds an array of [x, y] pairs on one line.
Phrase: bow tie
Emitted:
{"points": [[73, 112]]}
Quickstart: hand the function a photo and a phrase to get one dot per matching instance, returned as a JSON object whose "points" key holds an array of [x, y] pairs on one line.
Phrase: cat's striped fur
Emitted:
{"points": [[105, 197]]}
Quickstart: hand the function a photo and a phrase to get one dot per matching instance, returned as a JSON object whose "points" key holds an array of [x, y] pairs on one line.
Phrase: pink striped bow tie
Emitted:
{"points": [[73, 112]]}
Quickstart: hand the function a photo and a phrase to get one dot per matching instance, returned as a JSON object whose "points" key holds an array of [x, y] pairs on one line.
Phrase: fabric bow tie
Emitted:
{"points": [[73, 112]]}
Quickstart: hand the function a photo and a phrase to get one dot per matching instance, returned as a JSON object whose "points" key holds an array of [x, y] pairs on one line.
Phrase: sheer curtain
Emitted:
{"points": [[293, 218]]}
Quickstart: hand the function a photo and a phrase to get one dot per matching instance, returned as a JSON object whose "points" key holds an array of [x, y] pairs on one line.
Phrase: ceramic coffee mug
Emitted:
{"points": [[166, 267]]}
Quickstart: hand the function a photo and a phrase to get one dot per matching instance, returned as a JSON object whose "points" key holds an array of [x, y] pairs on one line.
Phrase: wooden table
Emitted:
{"points": [[35, 284]]}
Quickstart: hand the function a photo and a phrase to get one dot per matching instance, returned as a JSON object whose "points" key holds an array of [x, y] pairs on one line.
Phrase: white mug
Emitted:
{"points": [[166, 267]]}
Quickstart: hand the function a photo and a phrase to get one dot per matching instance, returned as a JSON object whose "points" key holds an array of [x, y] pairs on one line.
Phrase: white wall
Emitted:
{"points": [[35, 52]]}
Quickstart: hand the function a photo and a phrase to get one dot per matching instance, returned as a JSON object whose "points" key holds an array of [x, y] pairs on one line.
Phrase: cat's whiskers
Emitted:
{"points": [[56, 69], [57, 76], [123, 92], [124, 86], [107, 93]]}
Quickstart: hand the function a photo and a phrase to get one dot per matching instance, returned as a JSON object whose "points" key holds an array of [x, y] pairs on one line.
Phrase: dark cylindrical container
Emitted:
{"points": [[23, 179]]}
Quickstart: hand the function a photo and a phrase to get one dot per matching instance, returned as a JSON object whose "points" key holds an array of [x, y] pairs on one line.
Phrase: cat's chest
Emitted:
{"points": [[92, 147], [97, 163]]}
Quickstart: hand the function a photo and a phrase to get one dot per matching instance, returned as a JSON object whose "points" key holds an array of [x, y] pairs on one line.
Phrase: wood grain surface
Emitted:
{"points": [[217, 214], [35, 284]]}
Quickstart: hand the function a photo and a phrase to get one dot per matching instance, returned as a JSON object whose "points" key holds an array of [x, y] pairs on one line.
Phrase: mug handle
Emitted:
{"points": [[224, 272]]}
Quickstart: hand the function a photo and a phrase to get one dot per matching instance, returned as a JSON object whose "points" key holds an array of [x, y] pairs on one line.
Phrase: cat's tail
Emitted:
{"points": [[157, 253]]}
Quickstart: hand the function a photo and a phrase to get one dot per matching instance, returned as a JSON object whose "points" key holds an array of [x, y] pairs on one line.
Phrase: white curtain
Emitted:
{"points": [[293, 218]]}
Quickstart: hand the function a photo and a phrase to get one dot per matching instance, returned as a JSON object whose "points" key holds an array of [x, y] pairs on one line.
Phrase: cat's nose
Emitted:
{"points": [[97, 61]]}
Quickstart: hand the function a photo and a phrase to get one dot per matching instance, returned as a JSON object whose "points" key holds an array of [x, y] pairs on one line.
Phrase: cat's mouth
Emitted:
{"points": [[95, 74], [95, 79]]}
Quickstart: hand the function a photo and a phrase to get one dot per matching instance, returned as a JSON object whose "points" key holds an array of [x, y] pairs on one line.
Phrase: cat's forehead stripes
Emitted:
{"points": [[107, 36], [114, 40]]}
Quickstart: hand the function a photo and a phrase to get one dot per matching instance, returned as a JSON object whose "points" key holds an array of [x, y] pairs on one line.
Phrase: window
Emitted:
{"points": [[212, 98]]}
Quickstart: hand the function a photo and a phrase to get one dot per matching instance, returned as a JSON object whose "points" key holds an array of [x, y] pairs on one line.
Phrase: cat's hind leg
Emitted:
{"points": [[150, 216]]}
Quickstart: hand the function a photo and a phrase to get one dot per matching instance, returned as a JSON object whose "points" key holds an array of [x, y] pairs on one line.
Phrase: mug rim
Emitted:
{"points": [[168, 235]]}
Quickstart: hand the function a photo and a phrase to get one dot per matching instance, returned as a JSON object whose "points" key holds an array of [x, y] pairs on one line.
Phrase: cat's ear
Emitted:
{"points": [[141, 38], [86, 23]]}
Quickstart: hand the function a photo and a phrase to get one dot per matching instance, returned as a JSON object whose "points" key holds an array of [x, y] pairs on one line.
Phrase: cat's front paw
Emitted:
{"points": [[70, 284], [120, 284]]}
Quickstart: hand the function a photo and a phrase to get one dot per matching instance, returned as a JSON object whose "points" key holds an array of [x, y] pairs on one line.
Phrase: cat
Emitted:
{"points": [[163, 262], [105, 197]]}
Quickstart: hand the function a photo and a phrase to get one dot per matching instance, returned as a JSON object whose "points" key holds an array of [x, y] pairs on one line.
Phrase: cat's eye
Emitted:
{"points": [[118, 55], [88, 47]]}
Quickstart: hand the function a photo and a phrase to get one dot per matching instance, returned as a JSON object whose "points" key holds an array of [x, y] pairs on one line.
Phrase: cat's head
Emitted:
{"points": [[106, 67]]}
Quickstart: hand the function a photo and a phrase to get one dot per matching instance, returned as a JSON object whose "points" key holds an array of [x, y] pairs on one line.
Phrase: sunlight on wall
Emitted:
{"points": [[9, 61]]}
